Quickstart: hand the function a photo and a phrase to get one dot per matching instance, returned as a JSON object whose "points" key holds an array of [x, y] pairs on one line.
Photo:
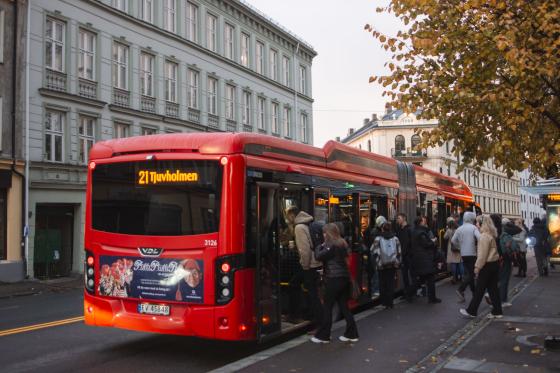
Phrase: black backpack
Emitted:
{"points": [[316, 232]]}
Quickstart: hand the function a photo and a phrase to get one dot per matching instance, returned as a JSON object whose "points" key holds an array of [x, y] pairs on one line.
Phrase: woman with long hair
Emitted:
{"points": [[486, 270], [334, 254]]}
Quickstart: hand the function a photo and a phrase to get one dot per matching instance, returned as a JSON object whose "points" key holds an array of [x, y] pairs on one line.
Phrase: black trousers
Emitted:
{"points": [[337, 290], [405, 269], [487, 281], [430, 281], [468, 275], [522, 264], [387, 286]]}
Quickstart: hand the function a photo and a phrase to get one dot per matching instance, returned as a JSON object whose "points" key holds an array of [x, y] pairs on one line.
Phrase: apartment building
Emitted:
{"points": [[118, 68]]}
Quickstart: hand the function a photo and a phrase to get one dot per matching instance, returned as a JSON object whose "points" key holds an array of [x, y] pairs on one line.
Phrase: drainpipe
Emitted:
{"points": [[14, 111], [296, 77], [26, 203]]}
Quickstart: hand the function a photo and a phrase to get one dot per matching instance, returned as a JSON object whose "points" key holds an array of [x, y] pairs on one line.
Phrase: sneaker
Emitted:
{"points": [[492, 316], [487, 299], [317, 340], [465, 314], [506, 304], [435, 300], [460, 295], [346, 339]]}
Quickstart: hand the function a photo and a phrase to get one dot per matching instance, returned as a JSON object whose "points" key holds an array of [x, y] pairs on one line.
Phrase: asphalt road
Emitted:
{"points": [[77, 347]]}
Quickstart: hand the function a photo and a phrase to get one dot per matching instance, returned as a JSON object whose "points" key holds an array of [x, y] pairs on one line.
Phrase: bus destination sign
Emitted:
{"points": [[166, 177]]}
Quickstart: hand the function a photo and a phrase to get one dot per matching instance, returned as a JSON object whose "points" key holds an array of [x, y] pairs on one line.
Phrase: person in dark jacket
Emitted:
{"points": [[539, 233], [422, 255], [404, 234], [508, 248], [334, 253]]}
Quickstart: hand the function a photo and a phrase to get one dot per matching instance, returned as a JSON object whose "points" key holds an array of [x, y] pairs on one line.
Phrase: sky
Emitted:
{"points": [[347, 57]]}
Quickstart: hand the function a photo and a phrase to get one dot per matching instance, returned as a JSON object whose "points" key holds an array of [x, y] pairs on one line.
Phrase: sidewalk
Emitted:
{"points": [[31, 287], [421, 337]]}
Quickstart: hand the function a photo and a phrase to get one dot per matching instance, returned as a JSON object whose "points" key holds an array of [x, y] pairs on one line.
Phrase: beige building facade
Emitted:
{"points": [[394, 135]]}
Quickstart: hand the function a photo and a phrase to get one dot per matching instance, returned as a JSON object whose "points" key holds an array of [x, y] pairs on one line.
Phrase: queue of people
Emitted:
{"points": [[480, 250]]}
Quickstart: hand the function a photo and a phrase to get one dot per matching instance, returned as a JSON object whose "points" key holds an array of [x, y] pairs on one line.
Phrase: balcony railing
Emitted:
{"points": [[194, 115], [247, 128], [401, 153], [213, 121], [87, 88], [121, 97], [231, 125], [148, 104], [55, 80], [171, 109]]}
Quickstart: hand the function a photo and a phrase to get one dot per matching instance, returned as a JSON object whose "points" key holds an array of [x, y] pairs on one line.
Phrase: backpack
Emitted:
{"points": [[387, 251], [316, 232], [508, 245]]}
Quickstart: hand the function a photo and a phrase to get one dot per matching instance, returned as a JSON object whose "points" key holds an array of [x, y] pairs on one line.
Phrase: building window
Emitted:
{"points": [[287, 122], [246, 115], [170, 81], [228, 41], [193, 89], [192, 22], [54, 136], [3, 216], [211, 24], [86, 63], [414, 142], [54, 39], [230, 102], [212, 96], [244, 49], [121, 130], [147, 131], [305, 128], [302, 79], [286, 71], [121, 5], [120, 66], [147, 10], [261, 112], [169, 8], [86, 137], [147, 74], [2, 12], [369, 145], [448, 170], [273, 65], [275, 126], [399, 144], [259, 54]]}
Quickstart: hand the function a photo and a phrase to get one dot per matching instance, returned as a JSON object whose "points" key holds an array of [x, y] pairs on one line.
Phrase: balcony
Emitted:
{"points": [[171, 109], [87, 88], [121, 97], [194, 115], [213, 121], [247, 128], [55, 80], [231, 125], [148, 104], [409, 155]]}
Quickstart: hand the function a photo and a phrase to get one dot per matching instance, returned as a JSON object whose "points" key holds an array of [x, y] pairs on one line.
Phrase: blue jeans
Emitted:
{"points": [[457, 270], [505, 274]]}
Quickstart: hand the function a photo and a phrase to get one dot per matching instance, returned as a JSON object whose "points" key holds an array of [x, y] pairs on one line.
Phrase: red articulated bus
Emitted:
{"points": [[186, 233]]}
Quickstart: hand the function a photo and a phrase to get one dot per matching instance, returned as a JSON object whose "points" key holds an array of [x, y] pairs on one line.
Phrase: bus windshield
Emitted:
{"points": [[157, 198]]}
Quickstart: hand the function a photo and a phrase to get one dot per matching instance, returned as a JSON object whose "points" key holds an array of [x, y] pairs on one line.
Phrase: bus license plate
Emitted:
{"points": [[153, 309]]}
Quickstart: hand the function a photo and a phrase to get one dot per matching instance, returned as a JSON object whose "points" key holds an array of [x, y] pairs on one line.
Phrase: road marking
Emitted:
{"points": [[30, 328], [470, 365], [8, 308]]}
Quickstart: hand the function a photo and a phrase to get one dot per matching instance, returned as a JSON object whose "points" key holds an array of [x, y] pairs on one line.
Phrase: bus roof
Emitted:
{"points": [[333, 155]]}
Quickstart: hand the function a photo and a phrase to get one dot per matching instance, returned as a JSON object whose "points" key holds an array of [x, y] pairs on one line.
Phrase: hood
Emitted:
{"points": [[387, 235], [380, 221], [469, 217], [303, 218], [511, 228]]}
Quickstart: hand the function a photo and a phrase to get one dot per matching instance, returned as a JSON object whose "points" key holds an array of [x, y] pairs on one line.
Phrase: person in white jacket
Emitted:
{"points": [[466, 238]]}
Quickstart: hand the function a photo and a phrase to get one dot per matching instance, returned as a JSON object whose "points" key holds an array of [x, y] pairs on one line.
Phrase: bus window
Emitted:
{"points": [[321, 206], [365, 212], [164, 198], [342, 213]]}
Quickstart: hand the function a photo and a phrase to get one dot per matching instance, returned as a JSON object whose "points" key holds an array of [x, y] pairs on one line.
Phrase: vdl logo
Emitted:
{"points": [[150, 251]]}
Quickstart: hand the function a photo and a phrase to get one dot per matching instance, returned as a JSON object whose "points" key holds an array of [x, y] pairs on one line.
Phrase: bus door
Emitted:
{"points": [[267, 274]]}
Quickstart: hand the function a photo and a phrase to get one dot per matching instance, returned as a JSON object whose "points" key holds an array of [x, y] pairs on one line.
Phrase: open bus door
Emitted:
{"points": [[268, 274]]}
